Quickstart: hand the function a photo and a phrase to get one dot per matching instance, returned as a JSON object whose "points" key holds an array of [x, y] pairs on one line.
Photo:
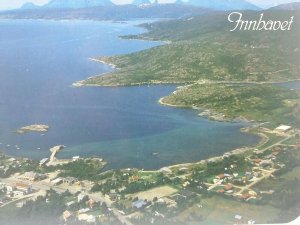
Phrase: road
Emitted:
{"points": [[247, 187], [278, 143], [267, 173]]}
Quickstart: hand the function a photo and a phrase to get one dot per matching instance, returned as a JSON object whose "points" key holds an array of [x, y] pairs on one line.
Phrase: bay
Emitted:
{"points": [[125, 125]]}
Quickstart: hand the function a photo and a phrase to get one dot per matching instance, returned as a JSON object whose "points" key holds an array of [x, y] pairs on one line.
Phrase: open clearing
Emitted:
{"points": [[156, 192], [219, 210]]}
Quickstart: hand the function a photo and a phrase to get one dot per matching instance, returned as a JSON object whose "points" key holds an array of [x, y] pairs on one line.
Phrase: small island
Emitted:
{"points": [[33, 128]]}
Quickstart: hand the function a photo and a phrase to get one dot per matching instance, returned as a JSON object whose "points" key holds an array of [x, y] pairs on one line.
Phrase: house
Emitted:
{"points": [[251, 221], [185, 184], [87, 218], [57, 181], [183, 169], [70, 180], [75, 158], [227, 155], [44, 161], [81, 196], [66, 215], [70, 203], [245, 196], [232, 166], [277, 148], [112, 196], [237, 217], [31, 176], [134, 178], [220, 176], [165, 170], [91, 203], [249, 175], [257, 161], [10, 188], [80, 211], [253, 193], [18, 194], [91, 219], [26, 188], [282, 129], [139, 204], [270, 192], [20, 204], [228, 187]]}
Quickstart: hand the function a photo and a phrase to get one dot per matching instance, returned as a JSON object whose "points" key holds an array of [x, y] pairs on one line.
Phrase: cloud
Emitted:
{"points": [[12, 4]]}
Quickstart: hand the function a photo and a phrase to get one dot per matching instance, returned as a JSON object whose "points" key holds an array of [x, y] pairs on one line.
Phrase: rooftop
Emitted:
{"points": [[283, 128]]}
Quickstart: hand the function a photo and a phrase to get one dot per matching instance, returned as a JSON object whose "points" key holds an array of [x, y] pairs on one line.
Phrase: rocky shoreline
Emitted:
{"points": [[41, 128]]}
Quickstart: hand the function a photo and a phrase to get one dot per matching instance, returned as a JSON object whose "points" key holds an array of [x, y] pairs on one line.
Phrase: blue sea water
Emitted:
{"points": [[125, 125]]}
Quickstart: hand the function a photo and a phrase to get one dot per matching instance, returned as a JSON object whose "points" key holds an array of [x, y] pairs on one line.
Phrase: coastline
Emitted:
{"points": [[208, 114], [143, 38], [161, 100], [205, 112], [113, 66]]}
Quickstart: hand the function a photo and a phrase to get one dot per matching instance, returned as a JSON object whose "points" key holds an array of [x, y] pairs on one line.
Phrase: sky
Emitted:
{"points": [[11, 4]]}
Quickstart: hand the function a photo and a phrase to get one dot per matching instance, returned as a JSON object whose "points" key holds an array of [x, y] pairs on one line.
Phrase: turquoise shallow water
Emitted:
{"points": [[39, 62]]}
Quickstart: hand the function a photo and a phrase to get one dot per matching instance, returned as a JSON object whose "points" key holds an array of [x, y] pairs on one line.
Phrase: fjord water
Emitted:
{"points": [[39, 62]]}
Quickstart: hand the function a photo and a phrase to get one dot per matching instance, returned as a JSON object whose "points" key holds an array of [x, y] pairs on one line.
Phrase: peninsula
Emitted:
{"points": [[230, 74]]}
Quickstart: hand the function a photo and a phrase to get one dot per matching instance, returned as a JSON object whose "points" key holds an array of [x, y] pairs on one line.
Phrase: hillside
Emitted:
{"points": [[253, 102], [29, 5], [58, 4], [203, 48], [289, 6]]}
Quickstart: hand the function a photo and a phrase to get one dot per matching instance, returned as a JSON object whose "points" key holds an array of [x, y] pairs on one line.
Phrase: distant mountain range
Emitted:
{"points": [[120, 12], [106, 10], [29, 5], [76, 4], [288, 6], [141, 2]]}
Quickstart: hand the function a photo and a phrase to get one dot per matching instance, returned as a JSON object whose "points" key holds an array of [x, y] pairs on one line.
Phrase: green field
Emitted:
{"points": [[220, 210], [286, 195]]}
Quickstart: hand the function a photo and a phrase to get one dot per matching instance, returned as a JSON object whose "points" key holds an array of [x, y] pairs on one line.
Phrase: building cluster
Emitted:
{"points": [[85, 209], [14, 191]]}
